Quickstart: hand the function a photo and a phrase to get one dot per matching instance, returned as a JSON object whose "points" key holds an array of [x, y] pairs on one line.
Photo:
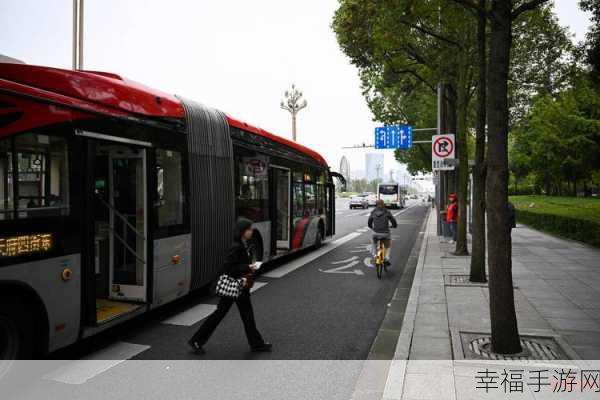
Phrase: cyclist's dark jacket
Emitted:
{"points": [[380, 219]]}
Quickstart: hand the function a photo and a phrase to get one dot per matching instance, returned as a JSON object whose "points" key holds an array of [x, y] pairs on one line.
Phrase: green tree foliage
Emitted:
{"points": [[559, 142], [541, 60], [592, 45]]}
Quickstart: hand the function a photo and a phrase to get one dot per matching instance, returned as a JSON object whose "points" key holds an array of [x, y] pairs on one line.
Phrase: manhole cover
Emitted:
{"points": [[463, 280], [478, 346], [460, 280]]}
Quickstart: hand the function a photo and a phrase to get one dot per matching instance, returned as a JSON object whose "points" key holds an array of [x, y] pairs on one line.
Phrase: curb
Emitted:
{"points": [[393, 320], [372, 381], [394, 385]]}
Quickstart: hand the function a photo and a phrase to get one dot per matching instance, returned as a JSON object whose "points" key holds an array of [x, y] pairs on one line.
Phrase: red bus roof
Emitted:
{"points": [[108, 93], [286, 142]]}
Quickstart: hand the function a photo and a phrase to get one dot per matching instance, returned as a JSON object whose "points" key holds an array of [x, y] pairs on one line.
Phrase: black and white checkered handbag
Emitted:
{"points": [[228, 286]]}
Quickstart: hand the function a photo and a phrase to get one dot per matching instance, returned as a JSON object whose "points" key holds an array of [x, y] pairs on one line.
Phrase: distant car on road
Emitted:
{"points": [[371, 198], [359, 202]]}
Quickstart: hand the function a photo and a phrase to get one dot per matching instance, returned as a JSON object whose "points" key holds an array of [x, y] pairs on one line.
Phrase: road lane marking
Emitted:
{"points": [[192, 315], [345, 261], [295, 264], [257, 285], [78, 372], [404, 210], [341, 270]]}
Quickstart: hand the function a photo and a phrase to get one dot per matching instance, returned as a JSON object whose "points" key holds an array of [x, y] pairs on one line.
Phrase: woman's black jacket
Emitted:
{"points": [[238, 260]]}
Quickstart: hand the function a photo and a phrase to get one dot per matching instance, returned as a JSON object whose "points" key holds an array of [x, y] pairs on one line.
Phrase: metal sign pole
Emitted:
{"points": [[439, 191]]}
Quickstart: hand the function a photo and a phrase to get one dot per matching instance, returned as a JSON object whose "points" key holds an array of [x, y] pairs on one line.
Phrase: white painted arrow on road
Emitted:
{"points": [[342, 270]]}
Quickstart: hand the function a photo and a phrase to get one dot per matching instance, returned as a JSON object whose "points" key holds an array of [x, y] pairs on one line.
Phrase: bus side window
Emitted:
{"points": [[311, 201], [41, 166], [298, 200], [169, 188], [6, 181]]}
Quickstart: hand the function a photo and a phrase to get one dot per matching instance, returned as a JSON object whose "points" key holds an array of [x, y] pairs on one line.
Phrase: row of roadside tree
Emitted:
{"points": [[513, 86]]}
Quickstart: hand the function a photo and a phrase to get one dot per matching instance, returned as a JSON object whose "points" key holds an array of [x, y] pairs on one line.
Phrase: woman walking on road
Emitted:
{"points": [[237, 266]]}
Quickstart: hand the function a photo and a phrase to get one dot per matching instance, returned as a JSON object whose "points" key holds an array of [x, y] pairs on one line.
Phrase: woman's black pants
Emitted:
{"points": [[244, 306]]}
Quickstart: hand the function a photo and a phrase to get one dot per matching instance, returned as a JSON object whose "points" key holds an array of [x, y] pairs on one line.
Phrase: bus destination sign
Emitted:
{"points": [[21, 245]]}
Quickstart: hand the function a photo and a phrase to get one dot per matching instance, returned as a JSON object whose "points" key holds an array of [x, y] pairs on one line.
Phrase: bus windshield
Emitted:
{"points": [[388, 189]]}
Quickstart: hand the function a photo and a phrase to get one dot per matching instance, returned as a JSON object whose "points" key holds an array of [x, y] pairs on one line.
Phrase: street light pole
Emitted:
{"points": [[293, 103], [77, 34]]}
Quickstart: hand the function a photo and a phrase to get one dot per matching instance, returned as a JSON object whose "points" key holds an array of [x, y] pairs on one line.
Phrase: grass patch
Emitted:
{"points": [[570, 217]]}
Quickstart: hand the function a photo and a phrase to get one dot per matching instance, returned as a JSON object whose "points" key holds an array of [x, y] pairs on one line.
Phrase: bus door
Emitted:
{"points": [[128, 223], [281, 218]]}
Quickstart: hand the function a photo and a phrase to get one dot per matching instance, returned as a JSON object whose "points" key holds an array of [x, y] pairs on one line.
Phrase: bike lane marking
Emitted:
{"points": [[300, 262]]}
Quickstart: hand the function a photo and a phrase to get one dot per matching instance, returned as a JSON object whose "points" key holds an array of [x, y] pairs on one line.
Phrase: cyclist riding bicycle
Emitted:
{"points": [[379, 222]]}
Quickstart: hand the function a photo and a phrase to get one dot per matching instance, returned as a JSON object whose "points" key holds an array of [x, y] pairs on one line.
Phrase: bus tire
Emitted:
{"points": [[318, 239], [17, 330]]}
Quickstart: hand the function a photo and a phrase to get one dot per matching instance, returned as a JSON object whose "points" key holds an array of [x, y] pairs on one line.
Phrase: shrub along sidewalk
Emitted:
{"points": [[570, 217]]}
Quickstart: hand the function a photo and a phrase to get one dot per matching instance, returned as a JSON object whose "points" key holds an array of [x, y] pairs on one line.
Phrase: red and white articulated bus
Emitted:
{"points": [[116, 199]]}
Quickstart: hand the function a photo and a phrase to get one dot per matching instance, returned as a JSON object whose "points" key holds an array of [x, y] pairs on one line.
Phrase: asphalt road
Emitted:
{"points": [[328, 308], [323, 305]]}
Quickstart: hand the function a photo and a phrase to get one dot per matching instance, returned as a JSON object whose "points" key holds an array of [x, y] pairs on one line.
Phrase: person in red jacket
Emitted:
{"points": [[452, 216]]}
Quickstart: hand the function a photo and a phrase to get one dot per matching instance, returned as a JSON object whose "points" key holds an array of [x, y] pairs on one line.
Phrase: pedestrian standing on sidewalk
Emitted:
{"points": [[237, 266], [452, 216]]}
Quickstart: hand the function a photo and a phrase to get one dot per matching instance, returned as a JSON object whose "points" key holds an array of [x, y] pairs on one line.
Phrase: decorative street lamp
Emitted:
{"points": [[293, 103]]}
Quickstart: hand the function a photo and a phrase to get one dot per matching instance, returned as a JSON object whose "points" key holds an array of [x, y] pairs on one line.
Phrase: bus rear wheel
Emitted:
{"points": [[16, 331]]}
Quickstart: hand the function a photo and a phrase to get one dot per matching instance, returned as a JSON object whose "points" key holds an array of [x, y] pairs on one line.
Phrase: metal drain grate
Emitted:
{"points": [[478, 346]]}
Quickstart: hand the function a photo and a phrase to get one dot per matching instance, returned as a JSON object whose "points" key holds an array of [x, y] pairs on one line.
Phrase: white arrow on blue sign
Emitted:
{"points": [[393, 137]]}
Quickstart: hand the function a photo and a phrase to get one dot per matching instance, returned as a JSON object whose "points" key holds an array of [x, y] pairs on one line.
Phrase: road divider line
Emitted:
{"points": [[192, 315], [295, 264], [257, 285], [80, 371]]}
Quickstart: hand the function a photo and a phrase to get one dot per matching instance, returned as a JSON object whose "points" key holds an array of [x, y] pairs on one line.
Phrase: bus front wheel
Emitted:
{"points": [[16, 331]]}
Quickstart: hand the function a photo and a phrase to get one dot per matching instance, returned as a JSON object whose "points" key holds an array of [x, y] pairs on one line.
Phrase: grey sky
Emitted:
{"points": [[238, 56]]}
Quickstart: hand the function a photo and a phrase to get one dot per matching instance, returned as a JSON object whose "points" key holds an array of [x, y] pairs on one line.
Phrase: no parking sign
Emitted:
{"points": [[442, 148]]}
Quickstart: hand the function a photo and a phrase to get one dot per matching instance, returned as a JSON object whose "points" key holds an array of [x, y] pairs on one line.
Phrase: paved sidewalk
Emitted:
{"points": [[557, 294]]}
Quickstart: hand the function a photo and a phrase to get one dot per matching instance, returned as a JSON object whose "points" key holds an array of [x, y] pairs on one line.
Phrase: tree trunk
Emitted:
{"points": [[462, 104], [478, 237], [505, 333]]}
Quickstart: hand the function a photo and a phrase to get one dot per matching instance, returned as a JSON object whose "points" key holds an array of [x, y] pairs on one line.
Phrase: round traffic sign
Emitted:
{"points": [[443, 146]]}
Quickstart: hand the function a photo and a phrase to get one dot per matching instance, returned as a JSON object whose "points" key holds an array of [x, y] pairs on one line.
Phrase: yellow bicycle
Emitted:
{"points": [[380, 258]]}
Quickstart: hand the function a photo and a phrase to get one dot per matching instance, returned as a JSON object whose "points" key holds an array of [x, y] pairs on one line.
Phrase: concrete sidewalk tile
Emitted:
{"points": [[469, 388], [419, 386], [432, 308], [430, 348], [431, 331], [588, 352], [588, 325], [562, 312], [581, 338], [432, 367]]}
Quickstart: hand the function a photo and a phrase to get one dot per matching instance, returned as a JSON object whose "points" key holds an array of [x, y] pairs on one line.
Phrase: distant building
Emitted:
{"points": [[374, 164], [358, 174]]}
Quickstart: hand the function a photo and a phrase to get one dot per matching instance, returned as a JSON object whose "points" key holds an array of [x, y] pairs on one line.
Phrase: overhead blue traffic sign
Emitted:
{"points": [[393, 137]]}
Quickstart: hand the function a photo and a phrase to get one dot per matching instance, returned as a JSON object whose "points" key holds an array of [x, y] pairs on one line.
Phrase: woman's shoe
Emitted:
{"points": [[265, 347], [196, 347]]}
